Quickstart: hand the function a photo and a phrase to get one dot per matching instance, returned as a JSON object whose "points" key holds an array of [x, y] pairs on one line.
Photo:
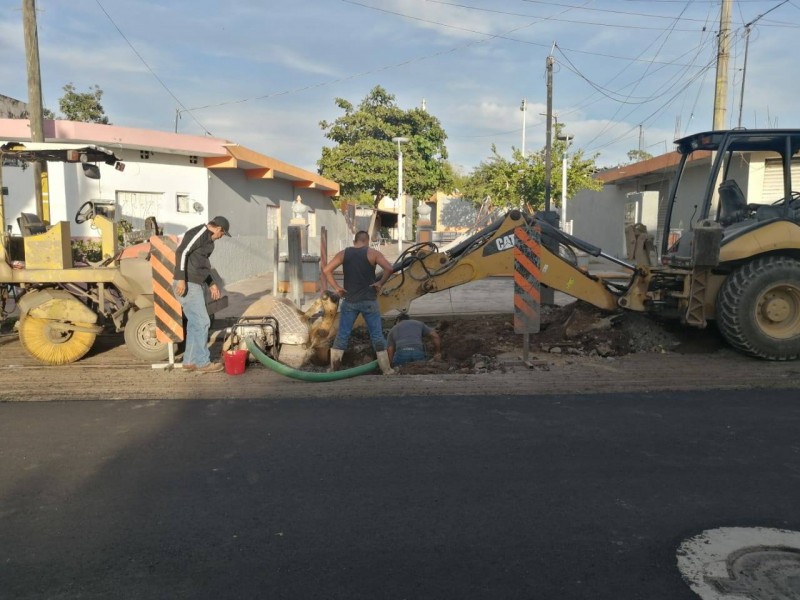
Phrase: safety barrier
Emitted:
{"points": [[527, 291], [168, 312]]}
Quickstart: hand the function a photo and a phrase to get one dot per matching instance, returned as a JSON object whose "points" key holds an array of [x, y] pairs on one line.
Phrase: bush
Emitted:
{"points": [[90, 251]]}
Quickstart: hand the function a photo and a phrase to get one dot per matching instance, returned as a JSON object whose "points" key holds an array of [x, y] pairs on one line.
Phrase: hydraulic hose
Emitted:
{"points": [[306, 375]]}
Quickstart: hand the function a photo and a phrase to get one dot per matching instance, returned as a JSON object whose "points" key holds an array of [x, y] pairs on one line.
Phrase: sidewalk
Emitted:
{"points": [[492, 295]]}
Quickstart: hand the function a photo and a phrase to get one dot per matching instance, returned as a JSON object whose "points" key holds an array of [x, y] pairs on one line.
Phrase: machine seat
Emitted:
{"points": [[732, 203], [30, 224]]}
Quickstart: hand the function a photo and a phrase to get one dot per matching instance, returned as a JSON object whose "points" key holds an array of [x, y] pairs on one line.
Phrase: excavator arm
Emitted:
{"points": [[422, 269]]}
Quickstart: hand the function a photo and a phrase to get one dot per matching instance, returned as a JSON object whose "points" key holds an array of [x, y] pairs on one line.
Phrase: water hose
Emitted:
{"points": [[306, 375]]}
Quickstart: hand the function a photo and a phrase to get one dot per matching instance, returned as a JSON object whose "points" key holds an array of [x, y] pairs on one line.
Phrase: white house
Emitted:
{"points": [[182, 181], [635, 193]]}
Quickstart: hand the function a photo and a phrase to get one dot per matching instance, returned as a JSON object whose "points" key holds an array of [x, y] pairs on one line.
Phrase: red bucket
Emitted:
{"points": [[235, 361]]}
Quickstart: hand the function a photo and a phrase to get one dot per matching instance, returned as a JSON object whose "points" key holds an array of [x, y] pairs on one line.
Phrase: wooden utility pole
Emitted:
{"points": [[547, 294], [35, 108], [548, 149], [723, 53]]}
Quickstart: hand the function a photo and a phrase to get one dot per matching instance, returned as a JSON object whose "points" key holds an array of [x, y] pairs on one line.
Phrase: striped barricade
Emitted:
{"points": [[527, 292], [168, 312]]}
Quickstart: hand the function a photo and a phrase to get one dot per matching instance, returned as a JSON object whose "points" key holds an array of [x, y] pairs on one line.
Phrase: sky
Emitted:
{"points": [[628, 74]]}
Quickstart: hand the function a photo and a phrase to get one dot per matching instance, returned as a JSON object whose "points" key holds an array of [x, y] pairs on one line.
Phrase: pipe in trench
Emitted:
{"points": [[307, 375]]}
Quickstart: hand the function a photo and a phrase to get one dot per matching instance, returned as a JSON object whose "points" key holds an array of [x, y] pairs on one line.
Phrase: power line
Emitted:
{"points": [[153, 73]]}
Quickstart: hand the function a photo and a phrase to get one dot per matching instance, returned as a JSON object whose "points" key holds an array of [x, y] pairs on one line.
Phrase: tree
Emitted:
{"points": [[519, 182], [638, 155], [83, 106], [364, 159]]}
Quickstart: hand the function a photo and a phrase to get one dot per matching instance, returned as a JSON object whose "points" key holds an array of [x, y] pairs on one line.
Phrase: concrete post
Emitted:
{"points": [[295, 264]]}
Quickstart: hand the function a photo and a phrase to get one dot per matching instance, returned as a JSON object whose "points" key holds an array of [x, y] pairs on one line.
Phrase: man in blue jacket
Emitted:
{"points": [[192, 273]]}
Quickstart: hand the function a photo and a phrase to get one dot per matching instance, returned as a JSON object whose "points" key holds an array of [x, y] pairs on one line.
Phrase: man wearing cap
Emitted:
{"points": [[192, 272]]}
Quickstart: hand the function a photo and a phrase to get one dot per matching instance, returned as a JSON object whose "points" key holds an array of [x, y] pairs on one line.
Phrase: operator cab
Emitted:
{"points": [[749, 184]]}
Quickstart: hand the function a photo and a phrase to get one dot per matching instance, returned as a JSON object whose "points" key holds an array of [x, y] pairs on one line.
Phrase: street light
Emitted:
{"points": [[567, 139], [400, 216]]}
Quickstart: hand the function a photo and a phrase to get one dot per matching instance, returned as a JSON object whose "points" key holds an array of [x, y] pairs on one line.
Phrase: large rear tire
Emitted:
{"points": [[758, 308], [140, 336], [53, 346]]}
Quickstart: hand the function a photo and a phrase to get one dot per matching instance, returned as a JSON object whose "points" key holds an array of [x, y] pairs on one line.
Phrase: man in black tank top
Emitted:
{"points": [[359, 297]]}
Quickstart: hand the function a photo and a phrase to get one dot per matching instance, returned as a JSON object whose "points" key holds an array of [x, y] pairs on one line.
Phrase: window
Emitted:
{"points": [[184, 203], [135, 207]]}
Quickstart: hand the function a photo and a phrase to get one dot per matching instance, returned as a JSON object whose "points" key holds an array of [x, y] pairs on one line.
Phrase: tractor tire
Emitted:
{"points": [[758, 308], [51, 346], [140, 336]]}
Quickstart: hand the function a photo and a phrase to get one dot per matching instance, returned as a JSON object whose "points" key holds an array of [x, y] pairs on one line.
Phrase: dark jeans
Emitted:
{"points": [[348, 313], [407, 355]]}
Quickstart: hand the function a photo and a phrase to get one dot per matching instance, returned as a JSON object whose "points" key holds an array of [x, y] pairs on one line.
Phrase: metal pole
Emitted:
{"points": [[564, 192], [744, 74], [524, 109], [400, 197], [400, 201], [746, 46]]}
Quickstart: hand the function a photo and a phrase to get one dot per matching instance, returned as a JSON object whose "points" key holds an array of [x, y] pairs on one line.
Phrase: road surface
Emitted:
{"points": [[425, 496]]}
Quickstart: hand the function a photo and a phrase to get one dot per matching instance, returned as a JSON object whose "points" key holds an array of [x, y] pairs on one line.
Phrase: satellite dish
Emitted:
{"points": [[198, 208]]}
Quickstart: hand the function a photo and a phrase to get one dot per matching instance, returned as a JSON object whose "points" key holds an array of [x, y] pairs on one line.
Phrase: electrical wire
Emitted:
{"points": [[153, 73]]}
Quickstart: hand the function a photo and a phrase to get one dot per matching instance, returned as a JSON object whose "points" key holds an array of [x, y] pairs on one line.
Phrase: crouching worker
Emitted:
{"points": [[359, 297], [406, 344]]}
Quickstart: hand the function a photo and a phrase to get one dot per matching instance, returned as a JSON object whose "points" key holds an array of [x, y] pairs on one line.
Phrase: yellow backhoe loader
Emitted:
{"points": [[730, 253]]}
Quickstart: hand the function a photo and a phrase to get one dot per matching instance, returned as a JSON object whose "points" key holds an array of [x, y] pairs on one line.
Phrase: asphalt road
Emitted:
{"points": [[458, 497]]}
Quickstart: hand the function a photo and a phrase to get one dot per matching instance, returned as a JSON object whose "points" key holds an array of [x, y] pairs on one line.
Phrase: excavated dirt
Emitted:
{"points": [[488, 343]]}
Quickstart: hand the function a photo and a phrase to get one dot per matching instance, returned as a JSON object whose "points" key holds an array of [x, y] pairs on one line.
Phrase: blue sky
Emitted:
{"points": [[265, 73]]}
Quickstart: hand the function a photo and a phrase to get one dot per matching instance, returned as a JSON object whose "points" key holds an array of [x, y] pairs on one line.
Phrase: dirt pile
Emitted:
{"points": [[488, 343]]}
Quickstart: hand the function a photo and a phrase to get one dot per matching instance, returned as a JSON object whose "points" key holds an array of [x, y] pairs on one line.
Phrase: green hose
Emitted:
{"points": [[306, 375]]}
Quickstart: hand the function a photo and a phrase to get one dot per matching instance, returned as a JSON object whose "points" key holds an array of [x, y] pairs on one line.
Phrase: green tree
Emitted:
{"points": [[364, 157], [82, 106], [519, 182], [638, 155]]}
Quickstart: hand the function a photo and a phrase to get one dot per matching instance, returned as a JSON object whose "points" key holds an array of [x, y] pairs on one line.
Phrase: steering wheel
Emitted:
{"points": [[85, 212]]}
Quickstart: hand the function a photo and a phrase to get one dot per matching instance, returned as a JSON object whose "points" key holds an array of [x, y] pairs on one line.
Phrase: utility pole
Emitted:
{"points": [[524, 108], [547, 295], [35, 103], [548, 150], [723, 53]]}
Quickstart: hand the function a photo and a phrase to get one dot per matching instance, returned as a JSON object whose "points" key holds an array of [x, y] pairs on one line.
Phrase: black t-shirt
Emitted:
{"points": [[359, 275]]}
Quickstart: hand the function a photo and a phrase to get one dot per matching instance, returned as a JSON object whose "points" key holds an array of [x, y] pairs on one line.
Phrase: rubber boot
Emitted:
{"points": [[384, 364], [336, 360]]}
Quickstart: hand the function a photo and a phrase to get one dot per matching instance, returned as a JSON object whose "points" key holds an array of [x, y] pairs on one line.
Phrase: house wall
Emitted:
{"points": [[11, 108], [597, 218], [454, 214], [250, 250]]}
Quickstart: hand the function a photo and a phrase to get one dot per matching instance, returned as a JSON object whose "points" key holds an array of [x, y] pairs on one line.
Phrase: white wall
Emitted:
{"points": [[597, 218], [228, 192]]}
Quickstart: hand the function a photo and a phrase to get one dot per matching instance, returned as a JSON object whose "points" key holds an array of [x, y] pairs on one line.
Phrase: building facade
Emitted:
{"points": [[181, 181]]}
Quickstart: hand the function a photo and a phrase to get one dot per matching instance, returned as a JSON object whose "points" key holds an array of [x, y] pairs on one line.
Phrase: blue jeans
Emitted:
{"points": [[348, 313], [407, 355], [197, 324]]}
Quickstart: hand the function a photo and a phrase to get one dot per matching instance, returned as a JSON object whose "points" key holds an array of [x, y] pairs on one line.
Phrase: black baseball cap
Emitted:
{"points": [[222, 222]]}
